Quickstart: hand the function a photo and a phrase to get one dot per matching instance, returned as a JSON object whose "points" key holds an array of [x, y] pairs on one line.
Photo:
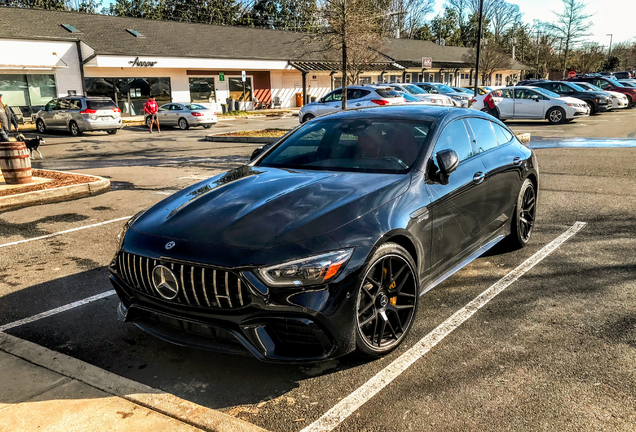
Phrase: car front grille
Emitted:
{"points": [[199, 286]]}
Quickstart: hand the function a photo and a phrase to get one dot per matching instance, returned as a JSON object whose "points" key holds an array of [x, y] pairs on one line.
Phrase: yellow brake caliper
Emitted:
{"points": [[393, 300]]}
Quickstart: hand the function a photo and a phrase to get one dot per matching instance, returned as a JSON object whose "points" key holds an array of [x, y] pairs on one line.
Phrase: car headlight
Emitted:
{"points": [[313, 270], [122, 233]]}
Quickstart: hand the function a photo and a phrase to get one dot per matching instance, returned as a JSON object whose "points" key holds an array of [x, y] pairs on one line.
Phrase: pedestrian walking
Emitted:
{"points": [[4, 122], [489, 103], [151, 108]]}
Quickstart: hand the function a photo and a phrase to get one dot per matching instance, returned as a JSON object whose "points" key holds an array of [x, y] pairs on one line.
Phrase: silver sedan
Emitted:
{"points": [[184, 115]]}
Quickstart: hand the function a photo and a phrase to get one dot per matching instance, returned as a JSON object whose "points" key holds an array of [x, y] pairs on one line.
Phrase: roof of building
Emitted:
{"points": [[109, 35]]}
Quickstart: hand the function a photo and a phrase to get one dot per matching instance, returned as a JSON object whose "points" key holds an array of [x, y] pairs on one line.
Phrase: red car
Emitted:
{"points": [[608, 84]]}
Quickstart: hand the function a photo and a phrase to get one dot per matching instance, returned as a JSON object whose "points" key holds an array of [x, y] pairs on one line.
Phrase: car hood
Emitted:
{"points": [[256, 207], [569, 99]]}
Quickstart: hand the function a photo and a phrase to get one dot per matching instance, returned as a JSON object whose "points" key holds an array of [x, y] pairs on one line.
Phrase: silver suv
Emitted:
{"points": [[415, 91], [358, 96], [77, 114]]}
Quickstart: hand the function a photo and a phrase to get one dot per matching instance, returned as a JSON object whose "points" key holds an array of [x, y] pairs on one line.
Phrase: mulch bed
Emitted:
{"points": [[58, 179], [275, 133]]}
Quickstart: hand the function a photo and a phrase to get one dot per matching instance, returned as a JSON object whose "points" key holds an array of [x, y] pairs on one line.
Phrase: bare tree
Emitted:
{"points": [[571, 25], [503, 16], [491, 59], [407, 16], [353, 31], [588, 58]]}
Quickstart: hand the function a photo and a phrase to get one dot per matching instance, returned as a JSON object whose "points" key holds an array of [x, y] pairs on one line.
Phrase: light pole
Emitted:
{"points": [[481, 12], [609, 52]]}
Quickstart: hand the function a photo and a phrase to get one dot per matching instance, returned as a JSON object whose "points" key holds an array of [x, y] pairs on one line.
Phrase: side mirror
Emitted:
{"points": [[321, 100], [257, 151], [447, 160], [535, 98]]}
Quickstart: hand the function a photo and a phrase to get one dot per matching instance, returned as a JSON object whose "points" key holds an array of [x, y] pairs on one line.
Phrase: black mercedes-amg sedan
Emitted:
{"points": [[325, 241]]}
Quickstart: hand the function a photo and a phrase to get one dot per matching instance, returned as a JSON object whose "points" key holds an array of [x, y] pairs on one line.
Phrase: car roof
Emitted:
{"points": [[405, 112]]}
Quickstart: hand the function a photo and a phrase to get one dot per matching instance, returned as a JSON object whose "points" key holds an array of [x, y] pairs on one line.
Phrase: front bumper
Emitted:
{"points": [[291, 325]]}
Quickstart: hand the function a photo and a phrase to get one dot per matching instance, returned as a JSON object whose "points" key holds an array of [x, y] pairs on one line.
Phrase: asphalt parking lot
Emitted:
{"points": [[555, 350]]}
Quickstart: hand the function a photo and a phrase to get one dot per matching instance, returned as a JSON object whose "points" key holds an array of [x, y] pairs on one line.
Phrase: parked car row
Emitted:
{"points": [[558, 101], [78, 114]]}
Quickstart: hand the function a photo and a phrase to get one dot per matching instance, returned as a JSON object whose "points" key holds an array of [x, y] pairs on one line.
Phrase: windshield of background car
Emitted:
{"points": [[100, 104], [546, 92], [355, 145], [407, 97], [444, 88], [413, 89], [576, 87], [388, 92], [195, 107]]}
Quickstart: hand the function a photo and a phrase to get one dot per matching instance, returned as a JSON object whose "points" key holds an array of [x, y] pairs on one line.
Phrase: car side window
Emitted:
{"points": [[431, 89], [455, 137], [485, 138], [522, 94], [504, 93], [75, 104], [63, 104], [353, 94], [503, 136], [175, 107], [164, 107], [51, 105], [334, 97]]}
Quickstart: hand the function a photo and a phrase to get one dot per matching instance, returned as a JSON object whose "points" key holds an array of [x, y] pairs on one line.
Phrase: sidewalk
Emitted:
{"points": [[44, 390]]}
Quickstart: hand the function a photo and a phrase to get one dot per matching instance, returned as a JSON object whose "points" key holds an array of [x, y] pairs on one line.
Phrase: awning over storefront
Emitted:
{"points": [[31, 67], [312, 66]]}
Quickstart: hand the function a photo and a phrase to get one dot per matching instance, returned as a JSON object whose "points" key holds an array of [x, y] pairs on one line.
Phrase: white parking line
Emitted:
{"points": [[64, 232], [355, 400], [56, 310]]}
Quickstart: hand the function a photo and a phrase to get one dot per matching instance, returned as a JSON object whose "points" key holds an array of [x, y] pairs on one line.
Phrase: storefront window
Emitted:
{"points": [[236, 89], [14, 90], [202, 90], [27, 92], [41, 89], [130, 94]]}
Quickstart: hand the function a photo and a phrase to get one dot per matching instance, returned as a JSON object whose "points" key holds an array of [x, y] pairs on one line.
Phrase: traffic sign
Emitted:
{"points": [[427, 62], [243, 76], [572, 74]]}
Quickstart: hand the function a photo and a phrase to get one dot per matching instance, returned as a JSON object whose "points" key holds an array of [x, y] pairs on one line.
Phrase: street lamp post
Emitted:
{"points": [[609, 52], [481, 11]]}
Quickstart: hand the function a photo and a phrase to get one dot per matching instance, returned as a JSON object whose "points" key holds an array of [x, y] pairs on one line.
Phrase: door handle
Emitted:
{"points": [[358, 104], [479, 177], [517, 161]]}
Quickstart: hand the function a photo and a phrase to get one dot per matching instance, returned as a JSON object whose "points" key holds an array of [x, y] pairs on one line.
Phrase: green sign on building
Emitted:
{"points": [[221, 76]]}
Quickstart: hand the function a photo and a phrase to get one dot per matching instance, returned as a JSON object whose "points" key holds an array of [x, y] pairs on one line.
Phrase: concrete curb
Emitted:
{"points": [[169, 405], [251, 140], [63, 193]]}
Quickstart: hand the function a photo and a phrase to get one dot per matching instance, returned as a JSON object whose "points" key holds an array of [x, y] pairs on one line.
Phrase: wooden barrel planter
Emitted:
{"points": [[15, 163]]}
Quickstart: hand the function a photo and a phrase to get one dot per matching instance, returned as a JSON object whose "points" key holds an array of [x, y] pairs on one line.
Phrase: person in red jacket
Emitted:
{"points": [[489, 103], [151, 109]]}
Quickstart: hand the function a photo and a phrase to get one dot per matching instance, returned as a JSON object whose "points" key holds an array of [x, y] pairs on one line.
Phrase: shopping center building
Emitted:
{"points": [[46, 54]]}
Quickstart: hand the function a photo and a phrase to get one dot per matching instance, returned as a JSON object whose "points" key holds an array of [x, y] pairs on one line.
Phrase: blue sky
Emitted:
{"points": [[608, 16]]}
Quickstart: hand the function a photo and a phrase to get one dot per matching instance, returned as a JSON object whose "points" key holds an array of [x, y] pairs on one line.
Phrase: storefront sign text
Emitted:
{"points": [[141, 63]]}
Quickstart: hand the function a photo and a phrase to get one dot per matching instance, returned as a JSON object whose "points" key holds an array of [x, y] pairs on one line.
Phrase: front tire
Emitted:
{"points": [[592, 109], [308, 117], [183, 124], [555, 115], [387, 301], [41, 126], [111, 132], [524, 217]]}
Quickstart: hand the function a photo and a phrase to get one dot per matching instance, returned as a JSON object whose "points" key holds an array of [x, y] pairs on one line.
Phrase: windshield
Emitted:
{"points": [[625, 84], [354, 145], [195, 107], [409, 98], [546, 92], [487, 88], [617, 84], [413, 89], [444, 88], [576, 87]]}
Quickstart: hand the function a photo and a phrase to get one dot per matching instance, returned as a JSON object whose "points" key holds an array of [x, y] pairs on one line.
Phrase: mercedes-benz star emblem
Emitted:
{"points": [[165, 282], [170, 245]]}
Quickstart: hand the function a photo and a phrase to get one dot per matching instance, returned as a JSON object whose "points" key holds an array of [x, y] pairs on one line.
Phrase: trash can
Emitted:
{"points": [[15, 163], [224, 108], [299, 99], [230, 104]]}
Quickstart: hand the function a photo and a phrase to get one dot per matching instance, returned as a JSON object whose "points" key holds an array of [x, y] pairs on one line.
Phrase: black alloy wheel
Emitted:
{"points": [[41, 126], [387, 301], [525, 216]]}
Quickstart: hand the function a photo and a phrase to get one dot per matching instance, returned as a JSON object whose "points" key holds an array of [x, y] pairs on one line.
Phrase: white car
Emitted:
{"points": [[619, 100], [358, 96], [416, 92], [532, 103]]}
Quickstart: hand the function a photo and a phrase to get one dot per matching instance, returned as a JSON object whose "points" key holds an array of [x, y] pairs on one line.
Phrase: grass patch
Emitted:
{"points": [[274, 133]]}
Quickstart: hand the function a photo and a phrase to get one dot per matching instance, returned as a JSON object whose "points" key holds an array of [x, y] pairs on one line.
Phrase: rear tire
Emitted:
{"points": [[41, 126], [386, 301], [555, 115], [524, 217], [207, 126], [74, 129], [183, 124]]}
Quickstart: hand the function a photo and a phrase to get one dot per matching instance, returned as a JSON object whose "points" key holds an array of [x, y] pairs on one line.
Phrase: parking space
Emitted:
{"points": [[554, 350]]}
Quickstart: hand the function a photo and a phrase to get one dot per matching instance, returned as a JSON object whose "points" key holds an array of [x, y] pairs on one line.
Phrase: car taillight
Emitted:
{"points": [[380, 101], [197, 114], [473, 101], [117, 110], [213, 113], [88, 111]]}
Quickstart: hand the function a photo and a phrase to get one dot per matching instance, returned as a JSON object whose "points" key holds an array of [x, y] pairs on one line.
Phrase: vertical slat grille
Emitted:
{"points": [[198, 286]]}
